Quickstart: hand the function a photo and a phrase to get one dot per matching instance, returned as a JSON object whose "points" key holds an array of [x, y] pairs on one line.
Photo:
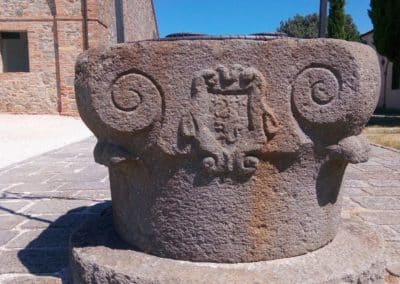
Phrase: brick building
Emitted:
{"points": [[40, 40]]}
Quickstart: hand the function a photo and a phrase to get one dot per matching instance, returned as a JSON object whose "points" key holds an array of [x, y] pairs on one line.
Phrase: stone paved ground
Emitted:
{"points": [[44, 198]]}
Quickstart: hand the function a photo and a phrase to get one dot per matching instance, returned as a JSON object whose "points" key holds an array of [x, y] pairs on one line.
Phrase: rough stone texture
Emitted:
{"points": [[143, 25], [51, 23], [354, 256], [228, 150]]}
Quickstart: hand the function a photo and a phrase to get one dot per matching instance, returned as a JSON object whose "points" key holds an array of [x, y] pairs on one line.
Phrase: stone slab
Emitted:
{"points": [[9, 222], [99, 256], [34, 261], [6, 236]]}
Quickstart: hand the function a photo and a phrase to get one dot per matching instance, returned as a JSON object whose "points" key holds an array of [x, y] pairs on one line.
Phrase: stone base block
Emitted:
{"points": [[99, 256]]}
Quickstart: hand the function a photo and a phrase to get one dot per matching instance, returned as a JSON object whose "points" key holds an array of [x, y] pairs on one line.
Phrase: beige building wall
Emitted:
{"points": [[58, 31], [389, 98]]}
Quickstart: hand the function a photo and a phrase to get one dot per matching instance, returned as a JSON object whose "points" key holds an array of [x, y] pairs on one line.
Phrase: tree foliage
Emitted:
{"points": [[307, 27], [336, 19], [351, 30], [385, 16], [300, 26]]}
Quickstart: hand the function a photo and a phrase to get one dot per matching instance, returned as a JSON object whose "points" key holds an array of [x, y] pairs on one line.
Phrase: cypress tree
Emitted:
{"points": [[385, 16], [337, 19]]}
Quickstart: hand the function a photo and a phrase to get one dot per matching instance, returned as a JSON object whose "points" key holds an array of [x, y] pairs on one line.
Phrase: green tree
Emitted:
{"points": [[307, 27], [300, 26], [336, 19], [385, 16], [350, 29]]}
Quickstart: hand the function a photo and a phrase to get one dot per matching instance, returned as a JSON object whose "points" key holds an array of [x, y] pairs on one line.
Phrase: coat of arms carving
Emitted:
{"points": [[230, 119]]}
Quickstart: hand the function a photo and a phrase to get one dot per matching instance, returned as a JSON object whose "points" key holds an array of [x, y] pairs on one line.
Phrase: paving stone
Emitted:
{"points": [[48, 238], [34, 187], [372, 168], [394, 269], [384, 182], [381, 217], [377, 203], [383, 191], [95, 194], [99, 207], [7, 206], [371, 162], [10, 221], [392, 252], [396, 227], [34, 261], [42, 195], [58, 206], [29, 279], [349, 204], [97, 185], [4, 186], [80, 176], [70, 221], [389, 234], [354, 183], [17, 178], [6, 236], [354, 191]]}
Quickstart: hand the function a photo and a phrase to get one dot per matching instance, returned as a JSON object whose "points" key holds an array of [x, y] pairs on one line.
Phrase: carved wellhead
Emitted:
{"points": [[228, 149]]}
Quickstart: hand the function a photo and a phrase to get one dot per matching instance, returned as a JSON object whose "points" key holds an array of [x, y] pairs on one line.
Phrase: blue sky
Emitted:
{"points": [[242, 16]]}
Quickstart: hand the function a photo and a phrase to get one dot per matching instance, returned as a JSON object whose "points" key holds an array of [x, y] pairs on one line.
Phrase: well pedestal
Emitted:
{"points": [[100, 256], [229, 151]]}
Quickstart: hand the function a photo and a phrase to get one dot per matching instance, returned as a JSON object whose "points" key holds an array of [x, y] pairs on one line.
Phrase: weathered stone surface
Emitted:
{"points": [[354, 256], [228, 150], [5, 236]]}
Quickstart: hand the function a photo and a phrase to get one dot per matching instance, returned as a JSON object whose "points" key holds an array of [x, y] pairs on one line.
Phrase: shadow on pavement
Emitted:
{"points": [[48, 253]]}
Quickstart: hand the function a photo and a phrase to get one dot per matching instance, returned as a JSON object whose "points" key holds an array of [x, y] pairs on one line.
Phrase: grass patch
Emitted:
{"points": [[386, 136]]}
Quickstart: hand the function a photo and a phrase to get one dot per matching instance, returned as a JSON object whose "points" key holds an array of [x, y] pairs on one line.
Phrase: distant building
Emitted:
{"points": [[390, 90], [41, 39]]}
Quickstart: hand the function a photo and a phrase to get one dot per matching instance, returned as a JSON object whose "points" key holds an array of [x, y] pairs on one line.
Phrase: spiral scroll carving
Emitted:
{"points": [[316, 96], [136, 100]]}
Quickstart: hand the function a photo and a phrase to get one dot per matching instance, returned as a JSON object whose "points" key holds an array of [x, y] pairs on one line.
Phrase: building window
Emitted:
{"points": [[396, 77], [119, 16], [14, 51]]}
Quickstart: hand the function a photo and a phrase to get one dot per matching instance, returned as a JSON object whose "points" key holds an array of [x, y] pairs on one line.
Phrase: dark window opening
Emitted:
{"points": [[14, 51], [119, 16], [396, 77]]}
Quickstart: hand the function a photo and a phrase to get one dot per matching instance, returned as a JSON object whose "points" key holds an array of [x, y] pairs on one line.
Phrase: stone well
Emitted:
{"points": [[228, 150]]}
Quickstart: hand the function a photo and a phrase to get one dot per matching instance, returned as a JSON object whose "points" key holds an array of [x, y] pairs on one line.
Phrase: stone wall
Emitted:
{"points": [[35, 91], [142, 24], [101, 23], [25, 8], [58, 31]]}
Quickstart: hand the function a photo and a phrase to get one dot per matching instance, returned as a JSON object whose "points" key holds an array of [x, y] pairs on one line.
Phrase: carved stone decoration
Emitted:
{"points": [[316, 95], [228, 150], [133, 103], [236, 120], [137, 96]]}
